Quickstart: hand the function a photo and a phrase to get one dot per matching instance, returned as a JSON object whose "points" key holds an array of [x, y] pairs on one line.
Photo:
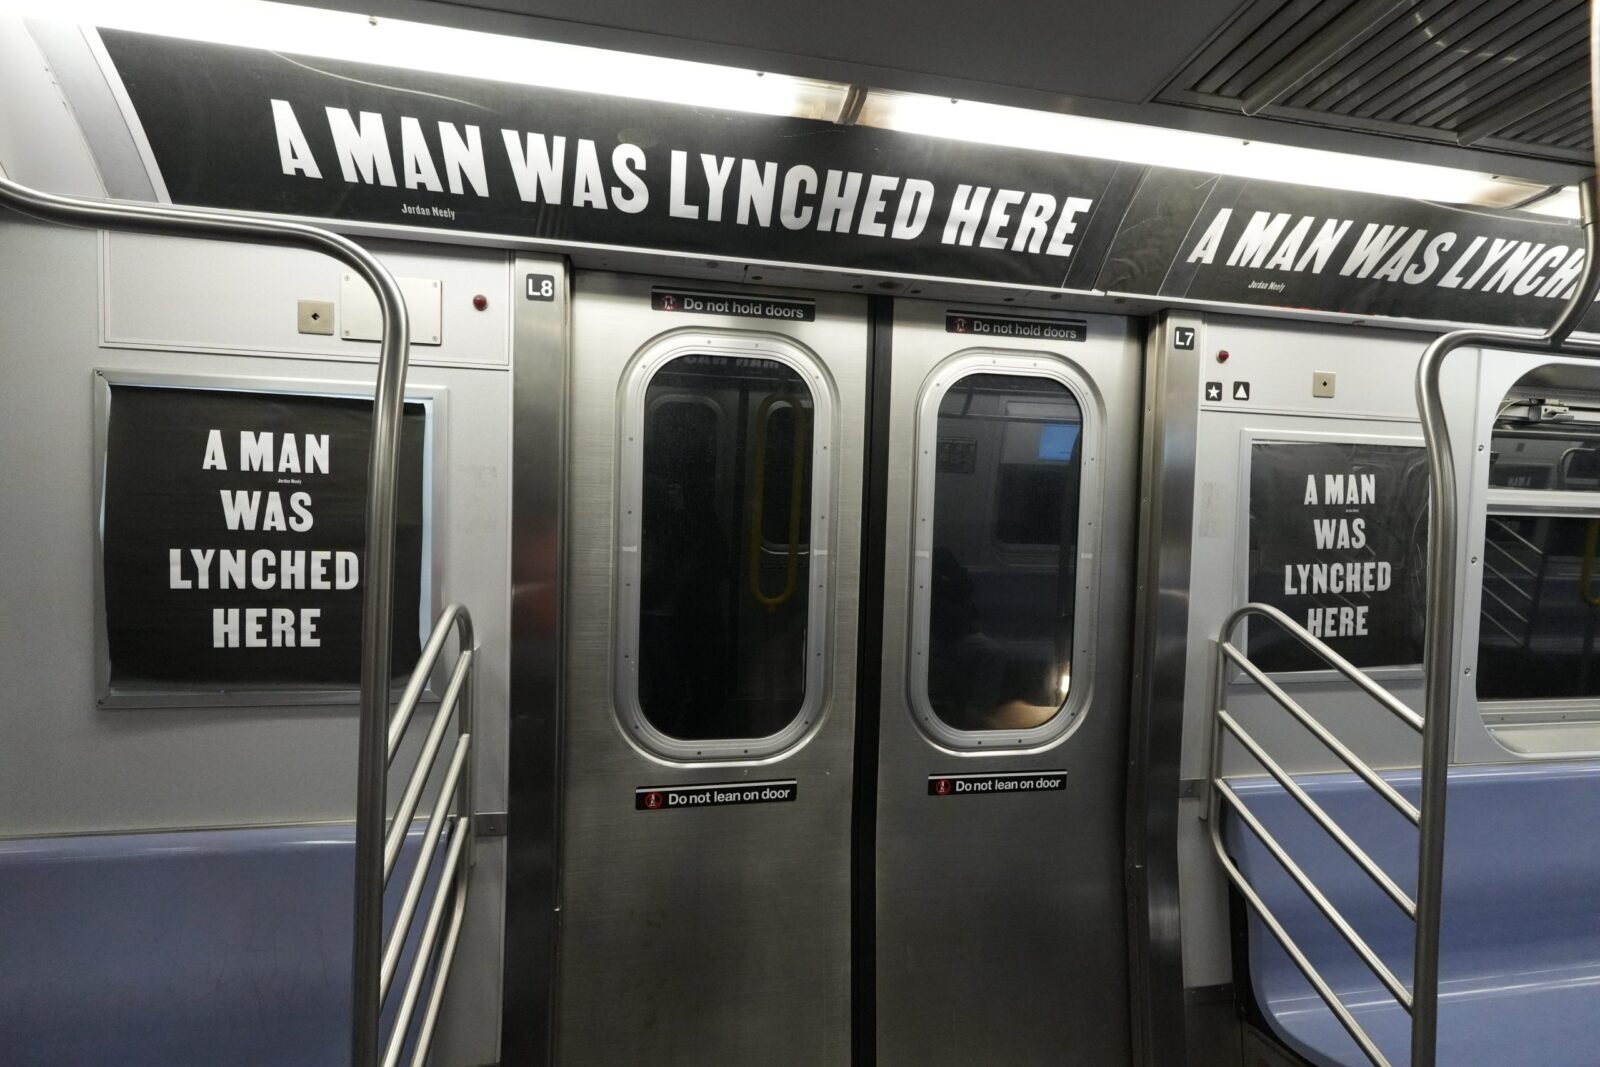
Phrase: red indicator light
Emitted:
{"points": [[1222, 356], [480, 302]]}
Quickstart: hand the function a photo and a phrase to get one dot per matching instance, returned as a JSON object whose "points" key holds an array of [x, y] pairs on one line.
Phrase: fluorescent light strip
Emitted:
{"points": [[1104, 139], [1563, 203], [443, 50]]}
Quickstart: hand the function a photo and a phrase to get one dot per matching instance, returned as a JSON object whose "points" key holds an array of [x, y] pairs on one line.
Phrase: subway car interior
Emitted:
{"points": [[537, 532]]}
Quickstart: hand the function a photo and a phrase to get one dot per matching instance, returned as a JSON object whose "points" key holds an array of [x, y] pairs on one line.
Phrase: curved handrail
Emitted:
{"points": [[454, 618], [1324, 651], [376, 624], [1441, 678], [455, 872], [1220, 791]]}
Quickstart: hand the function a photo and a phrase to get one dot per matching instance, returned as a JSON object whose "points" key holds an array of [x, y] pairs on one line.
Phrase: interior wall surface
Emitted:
{"points": [[1373, 403], [75, 302]]}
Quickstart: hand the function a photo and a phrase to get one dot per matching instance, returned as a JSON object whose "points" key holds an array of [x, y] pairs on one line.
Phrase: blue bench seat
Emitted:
{"points": [[186, 948], [1520, 955]]}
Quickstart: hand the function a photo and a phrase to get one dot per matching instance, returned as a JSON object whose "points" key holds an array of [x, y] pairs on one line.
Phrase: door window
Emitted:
{"points": [[721, 588], [997, 584]]}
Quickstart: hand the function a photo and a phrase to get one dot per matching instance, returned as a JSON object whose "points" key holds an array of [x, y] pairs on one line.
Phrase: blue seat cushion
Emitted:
{"points": [[189, 948], [1520, 933]]}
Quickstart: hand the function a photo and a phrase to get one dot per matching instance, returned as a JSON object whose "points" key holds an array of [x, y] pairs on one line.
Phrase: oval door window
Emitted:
{"points": [[1001, 574], [724, 555]]}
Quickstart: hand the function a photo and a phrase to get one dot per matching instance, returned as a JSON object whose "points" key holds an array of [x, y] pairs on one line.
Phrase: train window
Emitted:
{"points": [[1538, 670], [997, 587], [1539, 627], [1527, 457], [721, 588]]}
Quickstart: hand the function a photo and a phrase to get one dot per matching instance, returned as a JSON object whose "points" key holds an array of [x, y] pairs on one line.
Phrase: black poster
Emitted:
{"points": [[234, 530], [1338, 536], [1268, 244], [256, 130]]}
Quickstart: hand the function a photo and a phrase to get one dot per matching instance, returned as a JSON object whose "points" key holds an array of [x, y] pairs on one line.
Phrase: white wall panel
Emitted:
{"points": [[245, 300]]}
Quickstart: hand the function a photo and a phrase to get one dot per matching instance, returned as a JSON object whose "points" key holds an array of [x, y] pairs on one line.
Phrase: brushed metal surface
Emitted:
{"points": [[540, 358], [714, 935], [1001, 929], [1155, 735]]}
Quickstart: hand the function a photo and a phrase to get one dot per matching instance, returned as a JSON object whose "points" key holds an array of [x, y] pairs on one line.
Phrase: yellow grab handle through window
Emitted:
{"points": [[797, 471]]}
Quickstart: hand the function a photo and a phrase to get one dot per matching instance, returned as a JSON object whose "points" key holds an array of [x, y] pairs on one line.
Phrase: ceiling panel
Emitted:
{"points": [[1484, 85], [1502, 75], [1058, 48]]}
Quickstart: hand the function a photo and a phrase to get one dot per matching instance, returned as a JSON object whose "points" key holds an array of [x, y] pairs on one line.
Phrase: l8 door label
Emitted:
{"points": [[961, 785], [721, 794]]}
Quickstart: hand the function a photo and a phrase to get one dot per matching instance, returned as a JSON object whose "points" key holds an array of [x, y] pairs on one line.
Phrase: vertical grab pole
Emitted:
{"points": [[1441, 676], [466, 723], [377, 626]]}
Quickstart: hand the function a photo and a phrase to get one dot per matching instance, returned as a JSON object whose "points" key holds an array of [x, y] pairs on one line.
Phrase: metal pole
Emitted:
{"points": [[467, 725], [376, 623], [1442, 678]]}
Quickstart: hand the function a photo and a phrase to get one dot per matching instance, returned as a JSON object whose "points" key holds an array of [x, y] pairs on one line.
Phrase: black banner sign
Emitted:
{"points": [[691, 302], [234, 528], [721, 794], [247, 128], [1237, 241], [262, 131], [1338, 540], [1029, 327], [960, 785]]}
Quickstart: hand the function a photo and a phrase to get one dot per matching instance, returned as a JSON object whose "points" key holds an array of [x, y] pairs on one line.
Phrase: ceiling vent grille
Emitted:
{"points": [[1501, 75]]}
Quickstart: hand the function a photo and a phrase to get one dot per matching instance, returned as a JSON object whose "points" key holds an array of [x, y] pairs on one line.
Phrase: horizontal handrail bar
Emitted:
{"points": [[1323, 734], [1399, 992], [447, 956], [1511, 580], [430, 839], [1515, 614], [453, 616], [449, 882], [1510, 555], [401, 824], [1503, 628], [1497, 520], [1296, 956], [1323, 819], [1321, 650]]}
